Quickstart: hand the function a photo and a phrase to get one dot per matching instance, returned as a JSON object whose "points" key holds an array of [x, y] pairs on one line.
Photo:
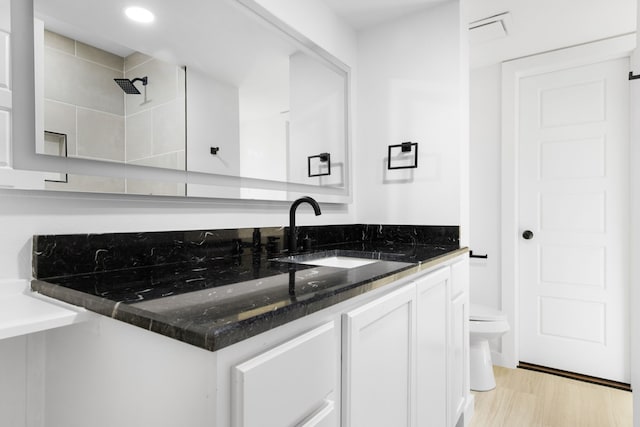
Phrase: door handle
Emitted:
{"points": [[527, 235]]}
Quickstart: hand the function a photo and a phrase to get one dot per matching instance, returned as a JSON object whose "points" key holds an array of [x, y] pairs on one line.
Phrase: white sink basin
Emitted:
{"points": [[338, 261]]}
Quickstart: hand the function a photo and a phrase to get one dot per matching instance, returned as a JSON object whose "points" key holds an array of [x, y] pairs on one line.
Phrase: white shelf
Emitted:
{"points": [[24, 313]]}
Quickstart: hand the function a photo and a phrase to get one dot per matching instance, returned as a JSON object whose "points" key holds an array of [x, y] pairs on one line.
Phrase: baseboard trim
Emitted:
{"points": [[575, 376]]}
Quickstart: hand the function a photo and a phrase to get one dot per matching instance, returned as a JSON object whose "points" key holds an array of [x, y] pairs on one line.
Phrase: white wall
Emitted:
{"points": [[409, 89], [484, 170], [316, 120], [213, 122], [317, 22], [263, 100], [544, 25]]}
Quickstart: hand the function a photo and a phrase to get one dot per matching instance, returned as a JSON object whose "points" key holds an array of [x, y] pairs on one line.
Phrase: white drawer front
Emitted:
{"points": [[288, 383]]}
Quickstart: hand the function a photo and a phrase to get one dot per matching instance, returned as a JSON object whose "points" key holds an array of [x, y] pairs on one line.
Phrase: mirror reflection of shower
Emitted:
{"points": [[86, 96], [129, 88]]}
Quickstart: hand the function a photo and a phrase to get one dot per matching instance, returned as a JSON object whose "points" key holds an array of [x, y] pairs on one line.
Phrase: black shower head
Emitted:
{"points": [[128, 85]]}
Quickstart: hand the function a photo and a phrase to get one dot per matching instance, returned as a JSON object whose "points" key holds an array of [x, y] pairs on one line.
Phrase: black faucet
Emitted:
{"points": [[293, 232]]}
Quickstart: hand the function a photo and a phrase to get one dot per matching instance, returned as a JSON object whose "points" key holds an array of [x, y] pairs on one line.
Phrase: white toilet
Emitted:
{"points": [[485, 324]]}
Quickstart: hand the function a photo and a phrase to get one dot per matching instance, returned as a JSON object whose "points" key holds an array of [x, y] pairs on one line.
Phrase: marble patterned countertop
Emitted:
{"points": [[214, 288]]}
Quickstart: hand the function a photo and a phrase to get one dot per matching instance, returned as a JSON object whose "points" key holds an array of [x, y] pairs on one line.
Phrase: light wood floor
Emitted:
{"points": [[525, 398]]}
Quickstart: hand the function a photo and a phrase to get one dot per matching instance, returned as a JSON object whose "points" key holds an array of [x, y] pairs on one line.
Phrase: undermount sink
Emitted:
{"points": [[324, 260], [339, 262]]}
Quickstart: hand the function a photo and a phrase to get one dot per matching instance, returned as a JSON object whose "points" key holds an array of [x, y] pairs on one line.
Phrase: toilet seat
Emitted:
{"points": [[484, 328], [483, 313]]}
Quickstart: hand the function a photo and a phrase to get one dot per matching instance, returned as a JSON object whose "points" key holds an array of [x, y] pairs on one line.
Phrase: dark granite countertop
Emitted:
{"points": [[213, 288]]}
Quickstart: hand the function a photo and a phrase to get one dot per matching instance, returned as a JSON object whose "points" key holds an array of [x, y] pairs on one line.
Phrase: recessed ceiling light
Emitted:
{"points": [[139, 14]]}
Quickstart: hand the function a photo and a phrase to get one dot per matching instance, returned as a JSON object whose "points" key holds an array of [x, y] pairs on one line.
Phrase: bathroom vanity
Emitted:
{"points": [[368, 327]]}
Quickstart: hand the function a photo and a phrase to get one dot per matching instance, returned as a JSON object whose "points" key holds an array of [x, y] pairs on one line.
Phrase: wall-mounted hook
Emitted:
{"points": [[632, 77], [214, 150], [405, 147]]}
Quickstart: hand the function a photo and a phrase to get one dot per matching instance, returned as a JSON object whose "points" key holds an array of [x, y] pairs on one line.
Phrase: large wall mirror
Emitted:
{"points": [[214, 93]]}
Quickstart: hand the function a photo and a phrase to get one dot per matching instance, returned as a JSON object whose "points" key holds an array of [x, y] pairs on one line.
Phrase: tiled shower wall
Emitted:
{"points": [[155, 131], [156, 123], [101, 122], [82, 100]]}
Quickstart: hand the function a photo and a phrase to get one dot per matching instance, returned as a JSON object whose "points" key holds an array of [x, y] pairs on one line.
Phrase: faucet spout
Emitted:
{"points": [[293, 232]]}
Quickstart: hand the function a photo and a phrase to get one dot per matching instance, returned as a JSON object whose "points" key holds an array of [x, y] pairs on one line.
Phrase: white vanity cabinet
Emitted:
{"points": [[405, 354], [395, 356]]}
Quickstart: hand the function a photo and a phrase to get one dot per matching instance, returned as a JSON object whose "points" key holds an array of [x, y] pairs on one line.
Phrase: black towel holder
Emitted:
{"points": [[471, 255]]}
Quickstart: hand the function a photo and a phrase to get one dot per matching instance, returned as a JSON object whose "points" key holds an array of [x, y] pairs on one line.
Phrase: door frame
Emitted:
{"points": [[512, 72]]}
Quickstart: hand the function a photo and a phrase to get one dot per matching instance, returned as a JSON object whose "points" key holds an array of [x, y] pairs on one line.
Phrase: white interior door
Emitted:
{"points": [[574, 199]]}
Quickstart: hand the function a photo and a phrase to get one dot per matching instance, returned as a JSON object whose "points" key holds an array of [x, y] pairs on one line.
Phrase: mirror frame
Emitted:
{"points": [[23, 126]]}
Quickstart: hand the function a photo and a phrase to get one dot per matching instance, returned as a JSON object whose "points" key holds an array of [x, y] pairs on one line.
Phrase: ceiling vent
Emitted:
{"points": [[491, 28]]}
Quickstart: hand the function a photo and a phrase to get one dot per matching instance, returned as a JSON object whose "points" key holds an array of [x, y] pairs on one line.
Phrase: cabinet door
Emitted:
{"points": [[457, 350], [459, 340], [289, 384], [379, 361], [431, 362]]}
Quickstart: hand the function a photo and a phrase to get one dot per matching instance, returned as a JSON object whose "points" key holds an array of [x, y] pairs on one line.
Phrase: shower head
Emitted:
{"points": [[128, 85]]}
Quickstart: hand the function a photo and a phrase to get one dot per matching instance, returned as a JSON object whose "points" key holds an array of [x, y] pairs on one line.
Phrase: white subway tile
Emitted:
{"points": [[56, 41], [100, 56], [100, 135], [75, 81]]}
